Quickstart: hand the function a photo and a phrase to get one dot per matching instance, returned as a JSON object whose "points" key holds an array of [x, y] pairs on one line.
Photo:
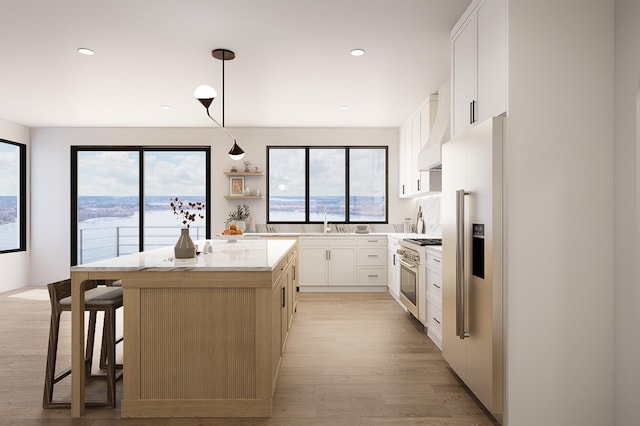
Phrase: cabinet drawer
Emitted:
{"points": [[434, 288], [434, 324], [434, 262], [327, 241], [372, 276], [372, 241], [372, 256]]}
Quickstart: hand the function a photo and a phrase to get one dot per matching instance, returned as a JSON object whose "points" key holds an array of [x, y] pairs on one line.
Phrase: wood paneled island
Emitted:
{"points": [[203, 337]]}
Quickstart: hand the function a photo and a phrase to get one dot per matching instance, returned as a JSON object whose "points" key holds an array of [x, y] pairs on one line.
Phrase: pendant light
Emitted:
{"points": [[206, 94]]}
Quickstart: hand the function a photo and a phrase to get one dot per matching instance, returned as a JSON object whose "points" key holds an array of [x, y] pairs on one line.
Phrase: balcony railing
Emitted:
{"points": [[104, 243]]}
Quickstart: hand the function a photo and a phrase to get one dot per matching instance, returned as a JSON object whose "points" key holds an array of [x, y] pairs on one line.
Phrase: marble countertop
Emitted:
{"points": [[245, 255], [397, 235]]}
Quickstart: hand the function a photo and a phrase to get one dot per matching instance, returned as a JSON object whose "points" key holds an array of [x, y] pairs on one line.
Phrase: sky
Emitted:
{"points": [[8, 169], [326, 172], [117, 173]]}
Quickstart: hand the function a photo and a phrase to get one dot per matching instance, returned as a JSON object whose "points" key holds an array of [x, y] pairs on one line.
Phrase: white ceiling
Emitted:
{"points": [[292, 66]]}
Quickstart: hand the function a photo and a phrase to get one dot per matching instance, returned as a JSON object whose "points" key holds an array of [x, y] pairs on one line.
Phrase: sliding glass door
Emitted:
{"points": [[121, 198]]}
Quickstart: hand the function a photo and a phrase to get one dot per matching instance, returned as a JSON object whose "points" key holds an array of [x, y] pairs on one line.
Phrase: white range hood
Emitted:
{"points": [[430, 157]]}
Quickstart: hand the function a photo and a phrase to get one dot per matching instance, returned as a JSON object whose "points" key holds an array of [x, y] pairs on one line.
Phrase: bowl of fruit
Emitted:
{"points": [[232, 234]]}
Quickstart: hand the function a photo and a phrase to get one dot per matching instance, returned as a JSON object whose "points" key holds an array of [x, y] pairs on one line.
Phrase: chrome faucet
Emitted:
{"points": [[325, 229]]}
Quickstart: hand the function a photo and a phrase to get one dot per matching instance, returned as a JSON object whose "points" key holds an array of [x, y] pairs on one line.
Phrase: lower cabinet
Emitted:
{"points": [[327, 261], [341, 261], [292, 295], [282, 308], [372, 261], [434, 296], [393, 267]]}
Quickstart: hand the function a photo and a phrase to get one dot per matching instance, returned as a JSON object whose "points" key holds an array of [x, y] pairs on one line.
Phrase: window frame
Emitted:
{"points": [[347, 149], [141, 150], [21, 205]]}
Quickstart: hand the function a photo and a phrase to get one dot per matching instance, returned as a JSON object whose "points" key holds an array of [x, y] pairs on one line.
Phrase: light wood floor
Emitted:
{"points": [[352, 359]]}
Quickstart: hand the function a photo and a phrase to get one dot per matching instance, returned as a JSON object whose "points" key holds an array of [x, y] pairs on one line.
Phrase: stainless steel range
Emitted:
{"points": [[412, 259]]}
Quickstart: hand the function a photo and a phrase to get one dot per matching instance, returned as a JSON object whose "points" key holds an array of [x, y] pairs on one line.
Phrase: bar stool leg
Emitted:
{"points": [[110, 320], [52, 353]]}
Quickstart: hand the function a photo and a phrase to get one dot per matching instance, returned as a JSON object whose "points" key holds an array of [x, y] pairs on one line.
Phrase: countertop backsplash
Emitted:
{"points": [[430, 214]]}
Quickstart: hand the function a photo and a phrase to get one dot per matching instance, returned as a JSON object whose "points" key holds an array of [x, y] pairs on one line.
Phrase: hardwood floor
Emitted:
{"points": [[351, 359]]}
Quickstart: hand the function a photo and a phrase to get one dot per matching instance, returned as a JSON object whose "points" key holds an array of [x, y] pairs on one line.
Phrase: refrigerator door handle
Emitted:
{"points": [[461, 296]]}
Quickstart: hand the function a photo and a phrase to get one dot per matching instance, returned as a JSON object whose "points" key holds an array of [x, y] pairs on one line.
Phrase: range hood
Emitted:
{"points": [[430, 157]]}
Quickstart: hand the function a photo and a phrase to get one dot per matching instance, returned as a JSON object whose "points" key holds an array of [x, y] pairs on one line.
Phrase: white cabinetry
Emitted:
{"points": [[479, 64], [434, 296], [413, 136], [327, 261], [393, 267], [343, 263], [372, 261]]}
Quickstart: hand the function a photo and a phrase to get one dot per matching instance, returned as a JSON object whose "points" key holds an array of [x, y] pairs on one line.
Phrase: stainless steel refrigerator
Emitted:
{"points": [[472, 256]]}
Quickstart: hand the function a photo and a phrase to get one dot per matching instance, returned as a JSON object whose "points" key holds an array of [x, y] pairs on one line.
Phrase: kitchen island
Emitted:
{"points": [[203, 337]]}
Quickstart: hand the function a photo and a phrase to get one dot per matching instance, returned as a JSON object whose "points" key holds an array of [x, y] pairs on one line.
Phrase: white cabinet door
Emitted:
{"points": [[463, 76], [491, 59], [342, 266], [479, 65], [313, 266], [415, 149], [402, 167], [393, 278]]}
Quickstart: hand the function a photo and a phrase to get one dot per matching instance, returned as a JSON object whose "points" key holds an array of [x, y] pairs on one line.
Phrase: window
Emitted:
{"points": [[13, 196], [121, 196], [348, 184]]}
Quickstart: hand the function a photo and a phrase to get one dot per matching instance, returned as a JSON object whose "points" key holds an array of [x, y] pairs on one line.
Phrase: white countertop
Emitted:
{"points": [[248, 255]]}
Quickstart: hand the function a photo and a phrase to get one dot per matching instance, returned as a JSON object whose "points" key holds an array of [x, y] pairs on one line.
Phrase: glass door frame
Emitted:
{"points": [[141, 194]]}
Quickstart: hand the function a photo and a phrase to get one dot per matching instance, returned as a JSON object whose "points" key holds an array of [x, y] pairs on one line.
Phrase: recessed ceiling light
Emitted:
{"points": [[344, 107], [357, 52], [85, 51], [165, 106]]}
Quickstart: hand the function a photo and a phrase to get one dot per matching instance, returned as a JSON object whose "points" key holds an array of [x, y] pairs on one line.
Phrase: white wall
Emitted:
{"points": [[51, 175], [627, 199], [559, 213], [15, 266]]}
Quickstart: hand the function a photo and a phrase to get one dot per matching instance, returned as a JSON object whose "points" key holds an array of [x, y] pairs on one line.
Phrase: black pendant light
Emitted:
{"points": [[206, 94]]}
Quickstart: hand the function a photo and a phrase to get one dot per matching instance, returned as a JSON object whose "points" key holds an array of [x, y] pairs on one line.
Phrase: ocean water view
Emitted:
{"points": [[292, 209], [9, 235], [108, 226]]}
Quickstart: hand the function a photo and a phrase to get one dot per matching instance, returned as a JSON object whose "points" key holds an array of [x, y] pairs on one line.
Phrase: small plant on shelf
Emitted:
{"points": [[241, 213], [187, 211]]}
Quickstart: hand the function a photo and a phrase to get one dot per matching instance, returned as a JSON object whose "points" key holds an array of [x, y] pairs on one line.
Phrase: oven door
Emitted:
{"points": [[409, 286]]}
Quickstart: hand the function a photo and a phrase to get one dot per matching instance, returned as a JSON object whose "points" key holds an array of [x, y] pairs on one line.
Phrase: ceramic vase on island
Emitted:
{"points": [[184, 248]]}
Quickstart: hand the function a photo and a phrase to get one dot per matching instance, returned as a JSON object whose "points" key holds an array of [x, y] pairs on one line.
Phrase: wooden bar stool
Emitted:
{"points": [[97, 299]]}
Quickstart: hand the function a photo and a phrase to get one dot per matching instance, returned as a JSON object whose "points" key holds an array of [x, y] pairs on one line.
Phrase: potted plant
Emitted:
{"points": [[239, 217], [187, 212]]}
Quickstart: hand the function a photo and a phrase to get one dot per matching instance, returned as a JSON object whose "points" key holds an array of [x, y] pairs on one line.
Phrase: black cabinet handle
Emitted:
{"points": [[418, 184], [394, 259], [436, 320], [284, 296], [471, 112], [435, 285]]}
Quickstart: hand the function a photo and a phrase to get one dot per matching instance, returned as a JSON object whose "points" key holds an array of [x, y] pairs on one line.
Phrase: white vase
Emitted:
{"points": [[184, 248], [240, 224]]}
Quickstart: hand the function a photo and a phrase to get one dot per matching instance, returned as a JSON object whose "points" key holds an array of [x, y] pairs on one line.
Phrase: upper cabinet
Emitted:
{"points": [[413, 136], [479, 64]]}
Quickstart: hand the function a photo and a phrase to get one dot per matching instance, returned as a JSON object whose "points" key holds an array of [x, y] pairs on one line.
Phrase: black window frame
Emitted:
{"points": [[141, 150], [347, 149], [22, 197]]}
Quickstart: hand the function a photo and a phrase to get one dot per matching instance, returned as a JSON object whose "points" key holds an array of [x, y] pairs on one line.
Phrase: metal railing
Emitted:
{"points": [[107, 242]]}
